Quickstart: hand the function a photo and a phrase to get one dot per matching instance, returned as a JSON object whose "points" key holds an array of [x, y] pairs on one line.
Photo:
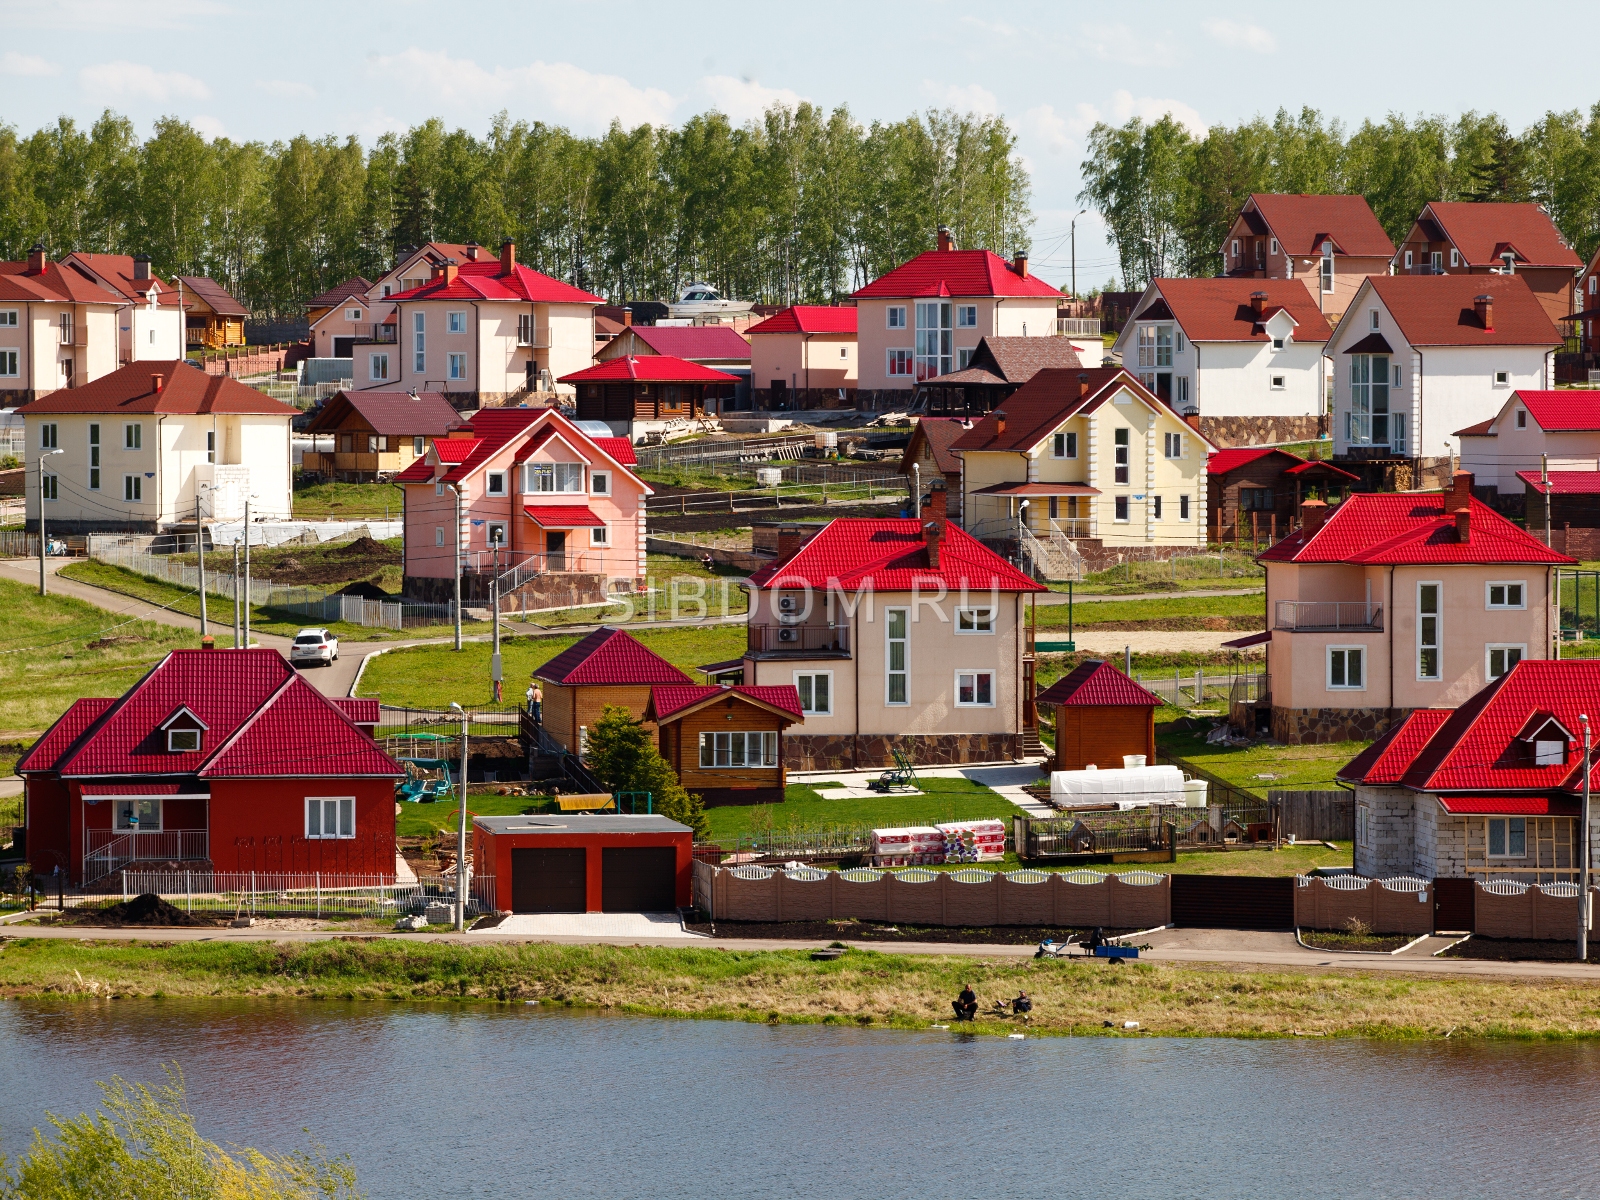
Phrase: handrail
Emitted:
{"points": [[1328, 614]]}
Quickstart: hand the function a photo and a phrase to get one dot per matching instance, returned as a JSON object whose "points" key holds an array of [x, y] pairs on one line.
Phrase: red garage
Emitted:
{"points": [[574, 862]]}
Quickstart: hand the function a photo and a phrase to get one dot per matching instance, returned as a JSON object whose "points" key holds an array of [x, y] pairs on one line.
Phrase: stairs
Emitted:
{"points": [[1032, 747], [1052, 557]]}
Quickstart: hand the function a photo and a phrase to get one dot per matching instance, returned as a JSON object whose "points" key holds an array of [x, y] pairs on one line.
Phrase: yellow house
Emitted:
{"points": [[1085, 454]]}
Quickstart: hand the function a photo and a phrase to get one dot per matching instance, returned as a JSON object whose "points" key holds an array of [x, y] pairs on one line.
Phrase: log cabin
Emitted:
{"points": [[726, 743], [636, 395], [1100, 716], [607, 667]]}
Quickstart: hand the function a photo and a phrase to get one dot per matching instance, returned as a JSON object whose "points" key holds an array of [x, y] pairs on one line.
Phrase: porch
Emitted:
{"points": [[108, 851]]}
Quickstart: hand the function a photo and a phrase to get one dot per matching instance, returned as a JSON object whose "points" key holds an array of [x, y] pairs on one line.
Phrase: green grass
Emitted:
{"points": [[804, 807], [350, 501], [1294, 768], [1300, 859], [1174, 609], [699, 592], [421, 820], [1227, 568]]}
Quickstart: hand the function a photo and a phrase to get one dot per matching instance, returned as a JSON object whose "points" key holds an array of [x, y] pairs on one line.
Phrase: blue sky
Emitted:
{"points": [[259, 71]]}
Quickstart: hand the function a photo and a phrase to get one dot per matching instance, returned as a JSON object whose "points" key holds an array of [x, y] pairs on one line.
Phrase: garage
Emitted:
{"points": [[638, 879], [585, 862], [549, 881]]}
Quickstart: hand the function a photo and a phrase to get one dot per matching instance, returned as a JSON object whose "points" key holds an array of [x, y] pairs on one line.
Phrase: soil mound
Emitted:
{"points": [[367, 591], [365, 547], [148, 909]]}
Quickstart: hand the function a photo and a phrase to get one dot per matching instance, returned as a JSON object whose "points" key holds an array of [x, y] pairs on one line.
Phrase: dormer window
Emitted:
{"points": [[183, 741], [1550, 754], [1547, 740]]}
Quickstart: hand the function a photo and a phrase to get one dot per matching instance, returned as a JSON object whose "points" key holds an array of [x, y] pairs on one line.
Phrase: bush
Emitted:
{"points": [[1356, 927], [623, 758]]}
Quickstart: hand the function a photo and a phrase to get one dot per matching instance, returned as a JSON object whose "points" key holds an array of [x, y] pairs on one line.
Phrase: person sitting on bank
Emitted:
{"points": [[966, 1004], [1022, 1005]]}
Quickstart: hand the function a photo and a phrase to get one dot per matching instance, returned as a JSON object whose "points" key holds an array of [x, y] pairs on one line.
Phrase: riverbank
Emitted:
{"points": [[863, 987]]}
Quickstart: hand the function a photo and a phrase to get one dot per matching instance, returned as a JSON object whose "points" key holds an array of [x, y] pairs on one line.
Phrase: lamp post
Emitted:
{"points": [[200, 553], [43, 454], [461, 837], [456, 550], [244, 603], [1583, 846], [1074, 231], [494, 614]]}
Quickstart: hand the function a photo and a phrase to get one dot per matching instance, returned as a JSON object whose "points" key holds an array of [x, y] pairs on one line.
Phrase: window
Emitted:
{"points": [[1163, 345], [438, 487], [1409, 260], [8, 363], [1507, 594], [553, 477], [1500, 659], [1549, 753], [377, 443], [974, 620], [1428, 630], [1372, 318], [66, 329], [455, 321], [1279, 382], [525, 329], [458, 366], [1327, 267], [138, 814], [378, 367], [599, 535], [1455, 261], [963, 358], [1183, 508], [494, 483], [1255, 499], [1395, 380], [897, 645], [1277, 343], [330, 817], [132, 437], [1172, 443], [1345, 668], [1437, 260], [1368, 419], [132, 489], [49, 436], [1064, 445], [438, 535], [1502, 378], [48, 487], [896, 316], [183, 741], [899, 362], [1508, 836], [600, 483], [94, 455], [1147, 345], [211, 445], [1183, 391], [497, 533], [753, 748], [1236, 247], [1272, 247], [1121, 509], [1120, 455], [1155, 507], [8, 317], [417, 445], [844, 352], [816, 692], [1522, 418], [934, 355], [352, 314], [974, 689], [966, 316], [419, 341]]}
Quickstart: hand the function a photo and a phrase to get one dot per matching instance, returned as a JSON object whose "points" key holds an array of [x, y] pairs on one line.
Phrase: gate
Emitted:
{"points": [[638, 879], [1454, 905], [549, 881], [1233, 902]]}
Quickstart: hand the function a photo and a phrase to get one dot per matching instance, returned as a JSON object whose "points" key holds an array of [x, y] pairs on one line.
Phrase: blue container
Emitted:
{"points": [[1116, 952]]}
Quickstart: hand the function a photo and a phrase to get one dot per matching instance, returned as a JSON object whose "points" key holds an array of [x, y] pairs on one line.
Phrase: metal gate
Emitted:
{"points": [[1233, 902], [638, 879], [549, 881], [1454, 905]]}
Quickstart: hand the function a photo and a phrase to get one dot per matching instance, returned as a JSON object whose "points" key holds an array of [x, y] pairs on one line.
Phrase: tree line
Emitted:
{"points": [[1169, 197], [801, 206]]}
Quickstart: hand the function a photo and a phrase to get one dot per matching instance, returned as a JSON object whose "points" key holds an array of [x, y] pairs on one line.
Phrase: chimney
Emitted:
{"points": [[508, 257], [155, 384], [141, 266], [932, 535], [935, 507], [208, 642], [1019, 263], [789, 542], [999, 423], [945, 243], [1464, 526], [1485, 308], [1083, 385], [472, 251], [627, 315], [1191, 418], [1312, 514], [1258, 303], [1459, 498], [36, 259], [450, 270]]}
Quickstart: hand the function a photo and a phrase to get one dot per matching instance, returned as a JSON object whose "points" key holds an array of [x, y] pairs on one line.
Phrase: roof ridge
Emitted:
{"points": [[228, 742]]}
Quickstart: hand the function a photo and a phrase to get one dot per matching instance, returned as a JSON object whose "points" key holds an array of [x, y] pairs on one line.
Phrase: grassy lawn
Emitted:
{"points": [[421, 820], [1301, 859], [54, 650], [805, 807], [1176, 612], [1224, 567], [350, 501], [697, 591], [1293, 768]]}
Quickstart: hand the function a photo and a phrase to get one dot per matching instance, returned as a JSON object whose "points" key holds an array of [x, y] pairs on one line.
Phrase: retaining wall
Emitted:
{"points": [[1403, 905]]}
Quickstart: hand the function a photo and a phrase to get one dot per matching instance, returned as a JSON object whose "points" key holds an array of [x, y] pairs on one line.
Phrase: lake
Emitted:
{"points": [[467, 1102]]}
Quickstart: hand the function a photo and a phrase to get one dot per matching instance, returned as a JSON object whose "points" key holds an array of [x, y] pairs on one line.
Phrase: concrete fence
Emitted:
{"points": [[1507, 909], [1402, 905]]}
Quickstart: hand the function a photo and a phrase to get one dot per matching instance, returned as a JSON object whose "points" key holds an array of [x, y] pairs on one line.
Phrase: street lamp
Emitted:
{"points": [[461, 837], [456, 550], [1583, 845], [43, 454]]}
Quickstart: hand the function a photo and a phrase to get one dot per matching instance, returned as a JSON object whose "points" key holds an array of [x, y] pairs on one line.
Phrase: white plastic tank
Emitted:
{"points": [[1194, 793], [769, 476], [826, 439], [1132, 760], [1129, 787]]}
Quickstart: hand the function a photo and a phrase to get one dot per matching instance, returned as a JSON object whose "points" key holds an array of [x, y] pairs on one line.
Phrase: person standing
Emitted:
{"points": [[536, 702]]}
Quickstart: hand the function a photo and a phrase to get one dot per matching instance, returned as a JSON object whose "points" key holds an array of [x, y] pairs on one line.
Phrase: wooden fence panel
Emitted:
{"points": [[1316, 816]]}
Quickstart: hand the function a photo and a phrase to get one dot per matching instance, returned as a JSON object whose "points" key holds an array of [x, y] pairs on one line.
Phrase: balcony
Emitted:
{"points": [[1078, 326], [535, 339], [808, 641], [1328, 616]]}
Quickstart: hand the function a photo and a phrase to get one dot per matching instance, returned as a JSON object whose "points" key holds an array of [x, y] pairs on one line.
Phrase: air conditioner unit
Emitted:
{"points": [[788, 604], [788, 634]]}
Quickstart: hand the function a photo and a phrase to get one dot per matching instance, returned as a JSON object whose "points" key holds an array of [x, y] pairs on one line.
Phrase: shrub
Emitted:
{"points": [[1356, 927], [623, 757]]}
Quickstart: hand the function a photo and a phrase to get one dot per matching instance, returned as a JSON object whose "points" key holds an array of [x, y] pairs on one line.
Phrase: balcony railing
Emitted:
{"points": [[538, 339], [108, 850], [1328, 615], [1250, 689], [799, 639], [1078, 326]]}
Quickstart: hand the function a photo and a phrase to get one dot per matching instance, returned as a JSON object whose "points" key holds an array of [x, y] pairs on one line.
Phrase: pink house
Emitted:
{"points": [[556, 511]]}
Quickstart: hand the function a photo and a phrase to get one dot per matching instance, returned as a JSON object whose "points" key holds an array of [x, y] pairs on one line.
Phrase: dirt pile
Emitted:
{"points": [[366, 548], [148, 909]]}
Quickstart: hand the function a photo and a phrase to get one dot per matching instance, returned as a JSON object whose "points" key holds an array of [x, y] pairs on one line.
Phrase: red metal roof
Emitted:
{"points": [[183, 390], [1438, 310], [1569, 410], [808, 318], [1564, 483], [1036, 410], [648, 368], [1410, 527], [692, 342], [1219, 310], [1301, 223], [561, 516], [453, 450], [891, 553], [1386, 761], [191, 786], [64, 734], [482, 281], [355, 288], [671, 700], [619, 448], [1232, 459], [610, 656], [1480, 230], [495, 427], [1512, 806], [1097, 683], [955, 273], [362, 712], [299, 732]]}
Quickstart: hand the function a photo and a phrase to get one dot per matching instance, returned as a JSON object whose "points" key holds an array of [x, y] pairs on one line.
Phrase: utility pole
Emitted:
{"points": [[244, 607], [456, 550], [236, 645], [1074, 229], [200, 552], [1583, 847], [461, 836], [43, 454], [494, 604]]}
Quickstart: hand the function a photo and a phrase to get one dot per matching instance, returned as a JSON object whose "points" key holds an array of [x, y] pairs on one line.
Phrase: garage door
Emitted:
{"points": [[1233, 902], [548, 881], [639, 879]]}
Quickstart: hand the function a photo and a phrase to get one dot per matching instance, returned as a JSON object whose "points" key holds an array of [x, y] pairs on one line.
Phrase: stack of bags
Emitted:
{"points": [[974, 841], [910, 845]]}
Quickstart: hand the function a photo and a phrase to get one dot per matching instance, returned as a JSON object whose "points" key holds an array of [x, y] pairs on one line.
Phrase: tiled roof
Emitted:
{"points": [[610, 656], [849, 551], [60, 737], [620, 448], [1095, 682], [494, 428], [1481, 429], [1563, 483], [184, 389], [648, 368], [214, 294], [692, 342], [1035, 410], [1232, 459], [1301, 223], [1512, 806], [393, 414], [1410, 527], [562, 516], [453, 450], [940, 433], [955, 273], [299, 732], [1383, 763], [1438, 310], [1219, 310], [675, 700], [355, 288], [56, 283], [1479, 231], [1019, 359], [808, 318], [362, 712], [190, 785], [116, 273], [482, 280], [967, 377], [1569, 410]]}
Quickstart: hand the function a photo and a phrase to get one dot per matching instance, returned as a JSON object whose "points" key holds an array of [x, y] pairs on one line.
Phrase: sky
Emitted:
{"points": [[271, 71]]}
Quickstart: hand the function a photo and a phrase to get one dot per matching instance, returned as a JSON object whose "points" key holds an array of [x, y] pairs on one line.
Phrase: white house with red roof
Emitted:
{"points": [[925, 317], [524, 492], [1418, 357], [1331, 242], [152, 325], [1395, 601], [656, 393], [58, 327], [804, 356], [1534, 429], [215, 760], [1245, 355], [895, 633]]}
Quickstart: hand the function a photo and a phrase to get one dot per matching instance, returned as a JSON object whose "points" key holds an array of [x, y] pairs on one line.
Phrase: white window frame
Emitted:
{"points": [[1504, 604], [438, 535], [1064, 445], [1506, 824], [211, 445], [494, 483], [600, 483], [1372, 318], [1489, 651], [599, 535], [905, 359], [94, 454], [419, 445], [975, 674], [966, 316], [894, 316], [495, 527], [174, 748], [1522, 418], [1409, 262], [1279, 382], [964, 356], [1455, 258], [560, 477], [455, 320], [457, 366], [344, 810], [973, 621], [49, 488], [9, 360], [716, 749], [133, 436], [1502, 379], [890, 671], [419, 341], [1172, 445], [1327, 666], [1272, 245], [1235, 247], [1277, 344], [808, 692], [8, 317], [1436, 643], [133, 489], [352, 314], [1327, 269], [378, 367]]}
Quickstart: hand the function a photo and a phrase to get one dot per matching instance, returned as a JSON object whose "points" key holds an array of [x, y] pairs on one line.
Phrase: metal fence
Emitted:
{"points": [[258, 894], [699, 453]]}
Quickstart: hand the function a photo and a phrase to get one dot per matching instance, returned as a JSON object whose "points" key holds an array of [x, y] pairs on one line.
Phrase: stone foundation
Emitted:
{"points": [[1313, 726], [560, 589], [801, 399], [847, 752], [883, 399], [1261, 431]]}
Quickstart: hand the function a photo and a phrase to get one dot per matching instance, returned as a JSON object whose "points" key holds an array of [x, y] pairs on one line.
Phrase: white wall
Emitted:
{"points": [[152, 333], [1235, 378], [1495, 461]]}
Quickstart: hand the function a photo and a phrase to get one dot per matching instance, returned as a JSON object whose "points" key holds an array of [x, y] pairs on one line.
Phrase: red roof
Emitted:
{"points": [[849, 551], [300, 732], [955, 273], [1301, 223], [1563, 483], [1094, 682], [1513, 806], [60, 737], [184, 389], [482, 281], [619, 448], [610, 656], [452, 450], [1480, 231], [1385, 762], [675, 700], [1410, 527], [494, 428], [1569, 410], [692, 342], [394, 414], [650, 368], [354, 288], [1219, 310], [114, 272], [1438, 310], [808, 318], [362, 712], [1232, 459], [1036, 410], [561, 516]]}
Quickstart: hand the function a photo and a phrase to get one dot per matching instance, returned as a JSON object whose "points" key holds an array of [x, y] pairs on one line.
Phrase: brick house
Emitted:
{"points": [[607, 667], [1331, 242], [928, 456], [726, 743], [1254, 492]]}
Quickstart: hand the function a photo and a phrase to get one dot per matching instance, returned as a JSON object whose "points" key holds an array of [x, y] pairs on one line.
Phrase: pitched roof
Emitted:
{"points": [[940, 433], [355, 287], [670, 702], [1302, 222], [1481, 231], [1563, 483], [492, 429], [650, 368], [1410, 527], [955, 273], [362, 712], [56, 283], [562, 516], [1385, 762], [214, 294], [1219, 310], [1098, 683], [299, 731], [116, 273], [1568, 411], [610, 656], [1233, 458], [1035, 410], [71, 725], [692, 342], [808, 318], [1481, 429], [482, 280], [1438, 310], [393, 414], [620, 448], [849, 551], [1019, 359], [184, 389]]}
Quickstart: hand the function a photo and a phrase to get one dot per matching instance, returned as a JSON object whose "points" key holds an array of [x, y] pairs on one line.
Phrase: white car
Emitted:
{"points": [[314, 646]]}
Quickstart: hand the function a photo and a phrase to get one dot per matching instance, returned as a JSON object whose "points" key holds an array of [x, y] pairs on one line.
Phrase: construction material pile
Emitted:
{"points": [[974, 841], [907, 846]]}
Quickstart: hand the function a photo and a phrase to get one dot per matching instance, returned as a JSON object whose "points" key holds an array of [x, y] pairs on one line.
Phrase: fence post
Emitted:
{"points": [[319, 895], [252, 893], [188, 892], [124, 883]]}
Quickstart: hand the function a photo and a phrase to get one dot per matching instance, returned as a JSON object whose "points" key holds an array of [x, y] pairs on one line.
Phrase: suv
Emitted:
{"points": [[314, 646]]}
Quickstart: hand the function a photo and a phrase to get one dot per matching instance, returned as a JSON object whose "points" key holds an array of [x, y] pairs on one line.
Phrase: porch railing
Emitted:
{"points": [[106, 851], [1078, 326], [799, 638], [1307, 615]]}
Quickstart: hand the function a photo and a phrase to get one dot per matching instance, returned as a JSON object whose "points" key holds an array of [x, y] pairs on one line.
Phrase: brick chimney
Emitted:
{"points": [[1312, 514], [1258, 303], [155, 384], [208, 642], [945, 242], [936, 506], [36, 259], [627, 316], [1019, 263], [472, 251], [141, 266], [1484, 305], [1191, 418], [790, 540], [508, 257], [999, 423], [1083, 385], [932, 536], [1458, 498]]}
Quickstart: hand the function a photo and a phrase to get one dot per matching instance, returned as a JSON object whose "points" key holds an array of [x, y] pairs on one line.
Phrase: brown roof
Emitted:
{"points": [[1037, 408], [214, 295], [1437, 310], [1218, 310], [1482, 231], [184, 389], [1019, 359], [940, 433], [339, 293], [1301, 223], [53, 285], [972, 376], [116, 273], [393, 414]]}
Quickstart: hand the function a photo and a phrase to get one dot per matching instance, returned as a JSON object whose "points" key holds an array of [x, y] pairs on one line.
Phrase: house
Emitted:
{"points": [[925, 317], [1416, 357], [636, 396], [216, 760], [928, 455], [1100, 715], [998, 367], [1451, 238], [58, 327], [1246, 355], [342, 318], [1491, 789], [718, 347], [584, 863], [1086, 455], [726, 743], [1255, 492], [487, 330], [1396, 601], [1534, 429], [1331, 242], [607, 667], [145, 447], [213, 318], [1563, 508], [804, 356], [376, 433], [903, 633], [151, 326], [527, 493]]}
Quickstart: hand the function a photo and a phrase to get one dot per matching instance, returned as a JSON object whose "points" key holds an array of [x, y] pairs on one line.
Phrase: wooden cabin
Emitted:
{"points": [[726, 743], [1100, 716], [1253, 493], [656, 387], [214, 319], [929, 451], [607, 667], [376, 434]]}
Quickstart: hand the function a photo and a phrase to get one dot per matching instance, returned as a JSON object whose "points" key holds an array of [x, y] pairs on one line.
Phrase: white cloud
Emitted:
{"points": [[963, 97], [557, 91], [1060, 133], [30, 65], [208, 127], [1125, 106], [286, 89], [1241, 34], [1119, 44], [742, 99], [127, 79]]}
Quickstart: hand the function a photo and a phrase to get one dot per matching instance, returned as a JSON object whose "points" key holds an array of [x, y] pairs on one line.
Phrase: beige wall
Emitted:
{"points": [[496, 364], [820, 360], [1005, 316]]}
